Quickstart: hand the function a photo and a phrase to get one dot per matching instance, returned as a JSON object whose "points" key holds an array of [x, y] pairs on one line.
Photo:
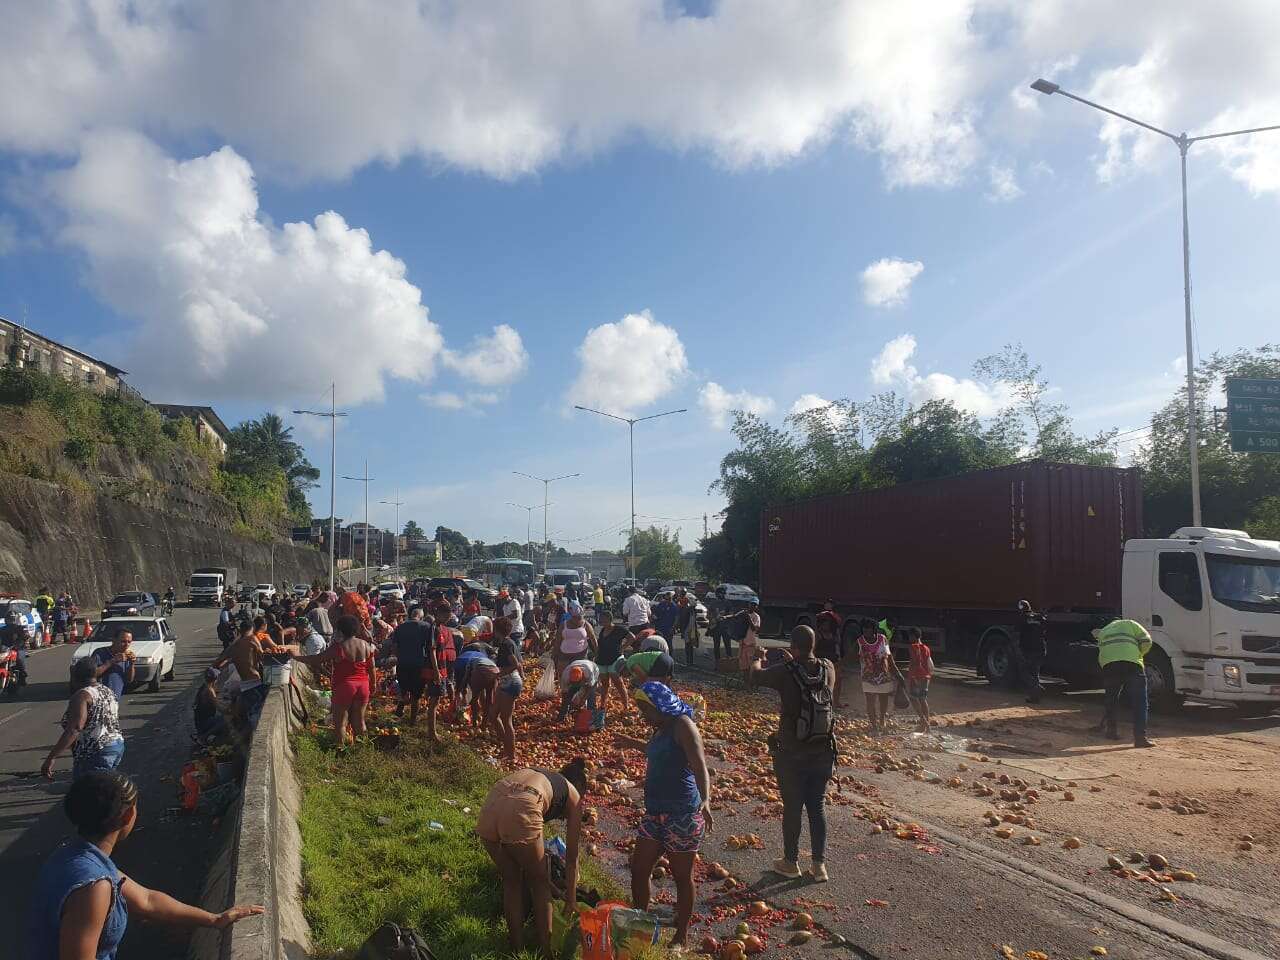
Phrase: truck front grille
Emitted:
{"points": [[1263, 679], [1256, 643]]}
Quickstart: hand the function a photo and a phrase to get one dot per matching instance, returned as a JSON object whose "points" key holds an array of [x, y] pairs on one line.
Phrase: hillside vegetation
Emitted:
{"points": [[58, 431]]}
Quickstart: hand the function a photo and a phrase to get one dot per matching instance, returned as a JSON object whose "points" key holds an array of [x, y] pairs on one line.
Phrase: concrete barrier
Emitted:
{"points": [[260, 858]]}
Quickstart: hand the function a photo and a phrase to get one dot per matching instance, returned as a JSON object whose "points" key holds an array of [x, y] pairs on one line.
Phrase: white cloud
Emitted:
{"points": [[443, 400], [490, 361], [886, 282], [892, 367], [448, 400], [891, 362], [323, 88], [806, 402], [833, 413], [218, 291], [627, 365], [719, 404], [1004, 184]]}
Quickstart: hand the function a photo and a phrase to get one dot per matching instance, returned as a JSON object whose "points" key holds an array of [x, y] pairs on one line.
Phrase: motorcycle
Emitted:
{"points": [[10, 673], [168, 606]]}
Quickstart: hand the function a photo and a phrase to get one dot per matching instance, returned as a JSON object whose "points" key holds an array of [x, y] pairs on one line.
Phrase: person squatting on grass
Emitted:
{"points": [[511, 826]]}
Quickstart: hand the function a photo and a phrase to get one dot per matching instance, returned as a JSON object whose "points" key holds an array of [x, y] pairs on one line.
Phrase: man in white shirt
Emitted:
{"points": [[513, 611], [636, 609]]}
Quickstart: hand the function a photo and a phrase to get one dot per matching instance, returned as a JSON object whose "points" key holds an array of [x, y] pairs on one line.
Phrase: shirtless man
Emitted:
{"points": [[245, 653]]}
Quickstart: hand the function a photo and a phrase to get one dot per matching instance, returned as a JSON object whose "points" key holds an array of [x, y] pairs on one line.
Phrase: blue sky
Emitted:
{"points": [[740, 231]]}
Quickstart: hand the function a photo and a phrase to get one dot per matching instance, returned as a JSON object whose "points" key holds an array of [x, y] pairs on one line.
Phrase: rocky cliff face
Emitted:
{"points": [[129, 523]]}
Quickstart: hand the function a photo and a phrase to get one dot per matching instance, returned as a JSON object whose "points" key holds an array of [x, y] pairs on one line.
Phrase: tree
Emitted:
{"points": [[453, 545], [256, 448], [937, 440], [1052, 434], [1237, 490], [658, 554], [411, 529]]}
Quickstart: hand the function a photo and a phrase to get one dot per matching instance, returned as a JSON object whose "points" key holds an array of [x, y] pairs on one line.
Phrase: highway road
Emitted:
{"points": [[167, 850]]}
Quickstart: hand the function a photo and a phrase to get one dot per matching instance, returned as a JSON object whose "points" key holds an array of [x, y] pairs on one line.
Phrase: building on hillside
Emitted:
{"points": [[24, 348], [422, 547], [209, 425]]}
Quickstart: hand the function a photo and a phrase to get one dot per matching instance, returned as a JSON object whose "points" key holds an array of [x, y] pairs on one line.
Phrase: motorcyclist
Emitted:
{"points": [[170, 598], [13, 636]]}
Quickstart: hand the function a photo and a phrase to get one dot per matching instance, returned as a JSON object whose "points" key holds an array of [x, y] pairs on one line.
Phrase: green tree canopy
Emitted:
{"points": [[658, 554], [411, 529]]}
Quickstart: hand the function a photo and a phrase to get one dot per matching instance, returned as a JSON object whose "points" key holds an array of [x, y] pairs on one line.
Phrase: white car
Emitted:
{"points": [[739, 593], [155, 647], [390, 589], [267, 590]]}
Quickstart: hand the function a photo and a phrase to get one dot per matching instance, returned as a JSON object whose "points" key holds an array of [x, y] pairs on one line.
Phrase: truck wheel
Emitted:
{"points": [[804, 620], [1161, 693], [999, 662], [153, 685]]}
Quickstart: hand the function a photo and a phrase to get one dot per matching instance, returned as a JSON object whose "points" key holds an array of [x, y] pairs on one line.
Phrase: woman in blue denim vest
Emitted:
{"points": [[81, 901]]}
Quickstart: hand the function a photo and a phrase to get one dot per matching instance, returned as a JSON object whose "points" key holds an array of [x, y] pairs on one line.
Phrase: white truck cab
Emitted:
{"points": [[1211, 601]]}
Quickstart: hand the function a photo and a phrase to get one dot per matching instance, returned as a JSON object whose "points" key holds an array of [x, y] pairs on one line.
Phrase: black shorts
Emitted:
{"points": [[410, 680]]}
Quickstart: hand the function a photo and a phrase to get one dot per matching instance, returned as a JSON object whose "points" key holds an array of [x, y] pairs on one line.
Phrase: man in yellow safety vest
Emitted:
{"points": [[1122, 644]]}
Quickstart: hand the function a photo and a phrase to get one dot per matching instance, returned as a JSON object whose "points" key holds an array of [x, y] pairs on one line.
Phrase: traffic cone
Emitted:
{"points": [[88, 629]]}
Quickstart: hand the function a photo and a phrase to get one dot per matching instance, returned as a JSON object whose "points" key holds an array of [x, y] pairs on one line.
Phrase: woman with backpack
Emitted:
{"points": [[803, 748]]}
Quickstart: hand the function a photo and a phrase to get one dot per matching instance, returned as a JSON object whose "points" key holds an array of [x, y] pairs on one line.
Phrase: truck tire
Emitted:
{"points": [[1161, 693], [999, 661]]}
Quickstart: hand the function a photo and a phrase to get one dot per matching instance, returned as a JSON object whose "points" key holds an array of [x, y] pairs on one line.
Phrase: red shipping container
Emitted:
{"points": [[1049, 533]]}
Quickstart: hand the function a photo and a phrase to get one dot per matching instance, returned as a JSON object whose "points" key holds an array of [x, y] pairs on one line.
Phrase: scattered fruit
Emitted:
{"points": [[803, 921], [733, 950], [1158, 862], [1244, 845], [800, 937], [758, 908], [1068, 795], [1071, 843], [1186, 876], [1113, 863], [1098, 951], [709, 945], [753, 944]]}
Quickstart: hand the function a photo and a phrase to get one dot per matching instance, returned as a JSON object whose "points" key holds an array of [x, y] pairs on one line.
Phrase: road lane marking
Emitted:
{"points": [[15, 715]]}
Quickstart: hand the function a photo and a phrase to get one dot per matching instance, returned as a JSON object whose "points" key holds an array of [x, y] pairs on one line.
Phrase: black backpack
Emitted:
{"points": [[816, 720], [394, 942]]}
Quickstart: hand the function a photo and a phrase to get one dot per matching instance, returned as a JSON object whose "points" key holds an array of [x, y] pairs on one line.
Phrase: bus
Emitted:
{"points": [[505, 572]]}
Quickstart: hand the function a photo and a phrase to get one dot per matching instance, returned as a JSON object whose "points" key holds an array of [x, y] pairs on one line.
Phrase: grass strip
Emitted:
{"points": [[370, 855]]}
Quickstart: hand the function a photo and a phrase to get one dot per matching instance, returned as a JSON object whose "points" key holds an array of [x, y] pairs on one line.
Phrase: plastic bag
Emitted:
{"points": [[546, 688]]}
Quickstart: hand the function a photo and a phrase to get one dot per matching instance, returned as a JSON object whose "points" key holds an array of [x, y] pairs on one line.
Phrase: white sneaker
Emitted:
{"points": [[786, 868], [819, 872]]}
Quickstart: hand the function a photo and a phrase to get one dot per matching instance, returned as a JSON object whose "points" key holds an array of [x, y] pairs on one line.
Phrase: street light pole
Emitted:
{"points": [[528, 527], [365, 480], [631, 424], [1183, 143], [546, 486], [333, 416], [395, 533]]}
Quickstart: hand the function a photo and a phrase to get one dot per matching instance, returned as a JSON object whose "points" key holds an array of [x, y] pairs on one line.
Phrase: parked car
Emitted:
{"points": [[132, 605], [154, 646], [487, 596]]}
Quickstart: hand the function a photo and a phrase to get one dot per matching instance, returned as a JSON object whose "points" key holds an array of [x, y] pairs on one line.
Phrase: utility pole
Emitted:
{"points": [[395, 533], [528, 527], [546, 485], [365, 480], [333, 416], [631, 423], [1183, 143]]}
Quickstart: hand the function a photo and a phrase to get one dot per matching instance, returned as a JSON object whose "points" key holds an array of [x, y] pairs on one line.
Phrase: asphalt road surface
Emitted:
{"points": [[167, 850]]}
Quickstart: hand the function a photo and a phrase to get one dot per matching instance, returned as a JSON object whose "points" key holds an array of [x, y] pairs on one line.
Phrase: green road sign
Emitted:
{"points": [[1253, 415], [1242, 442], [1262, 389]]}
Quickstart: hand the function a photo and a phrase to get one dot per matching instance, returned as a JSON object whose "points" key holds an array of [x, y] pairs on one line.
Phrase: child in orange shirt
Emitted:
{"points": [[919, 673]]}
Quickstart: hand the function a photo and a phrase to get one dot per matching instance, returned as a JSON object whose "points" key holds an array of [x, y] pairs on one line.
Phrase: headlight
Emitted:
{"points": [[148, 661], [1231, 674]]}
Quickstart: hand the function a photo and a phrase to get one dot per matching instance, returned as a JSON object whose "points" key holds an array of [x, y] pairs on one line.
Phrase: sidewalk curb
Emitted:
{"points": [[1188, 936]]}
